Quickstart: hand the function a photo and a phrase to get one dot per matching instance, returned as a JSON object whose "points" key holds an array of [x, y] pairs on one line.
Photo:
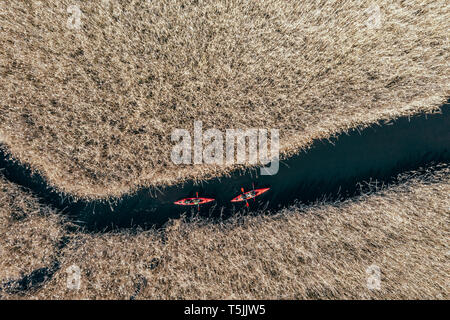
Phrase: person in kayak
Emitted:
{"points": [[249, 195], [192, 201], [245, 196], [197, 201]]}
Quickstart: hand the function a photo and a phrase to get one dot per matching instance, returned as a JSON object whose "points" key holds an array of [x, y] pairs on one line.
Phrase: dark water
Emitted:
{"points": [[33, 280], [332, 169]]}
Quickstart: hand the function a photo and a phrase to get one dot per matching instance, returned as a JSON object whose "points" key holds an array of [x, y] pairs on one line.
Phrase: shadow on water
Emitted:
{"points": [[332, 169], [35, 279]]}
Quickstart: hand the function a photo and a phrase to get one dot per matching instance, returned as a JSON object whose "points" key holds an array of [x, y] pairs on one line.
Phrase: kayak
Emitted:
{"points": [[249, 194], [193, 201]]}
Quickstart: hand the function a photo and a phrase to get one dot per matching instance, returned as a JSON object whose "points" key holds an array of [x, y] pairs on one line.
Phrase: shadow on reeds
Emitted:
{"points": [[330, 169]]}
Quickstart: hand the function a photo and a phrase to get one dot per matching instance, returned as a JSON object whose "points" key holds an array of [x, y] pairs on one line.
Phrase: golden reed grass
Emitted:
{"points": [[92, 108], [29, 233]]}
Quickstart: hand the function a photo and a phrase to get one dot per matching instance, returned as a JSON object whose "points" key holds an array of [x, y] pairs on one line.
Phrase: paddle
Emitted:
{"points": [[246, 202]]}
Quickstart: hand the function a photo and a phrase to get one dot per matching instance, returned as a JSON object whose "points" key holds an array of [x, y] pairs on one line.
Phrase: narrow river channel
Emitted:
{"points": [[329, 169]]}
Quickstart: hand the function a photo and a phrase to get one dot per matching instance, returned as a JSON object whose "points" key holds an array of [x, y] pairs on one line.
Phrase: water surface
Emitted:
{"points": [[329, 169]]}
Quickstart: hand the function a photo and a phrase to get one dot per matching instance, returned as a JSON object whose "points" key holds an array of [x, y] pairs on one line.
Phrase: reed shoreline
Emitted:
{"points": [[93, 112]]}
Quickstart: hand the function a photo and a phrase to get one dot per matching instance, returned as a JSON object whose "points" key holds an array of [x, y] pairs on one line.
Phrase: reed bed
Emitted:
{"points": [[92, 105], [324, 251]]}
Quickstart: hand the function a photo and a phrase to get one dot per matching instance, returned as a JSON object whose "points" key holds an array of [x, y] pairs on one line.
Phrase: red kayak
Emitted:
{"points": [[245, 196], [193, 201]]}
